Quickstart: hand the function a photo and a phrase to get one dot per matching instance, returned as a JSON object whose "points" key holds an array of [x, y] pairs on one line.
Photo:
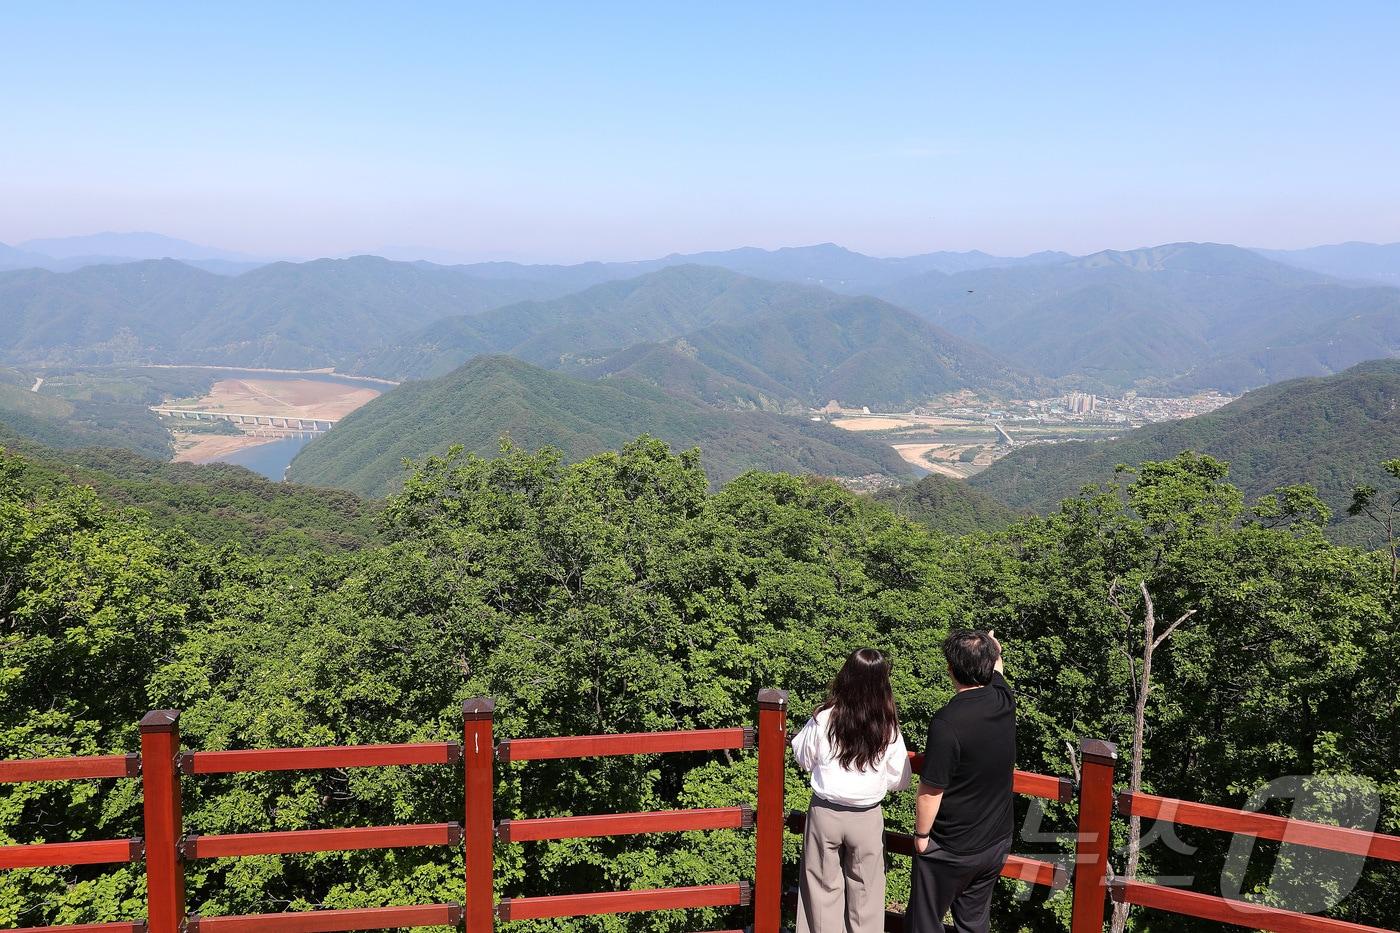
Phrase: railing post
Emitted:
{"points": [[768, 855], [1094, 838], [478, 827], [160, 786]]}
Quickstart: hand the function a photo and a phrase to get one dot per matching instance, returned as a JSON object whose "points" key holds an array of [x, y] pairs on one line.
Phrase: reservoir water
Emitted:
{"points": [[270, 459]]}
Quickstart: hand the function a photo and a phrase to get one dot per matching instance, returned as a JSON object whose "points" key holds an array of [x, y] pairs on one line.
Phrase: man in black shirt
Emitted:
{"points": [[963, 817]]}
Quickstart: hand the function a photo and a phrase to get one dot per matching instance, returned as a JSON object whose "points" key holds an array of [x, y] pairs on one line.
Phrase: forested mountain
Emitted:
{"points": [[215, 504], [1176, 317], [491, 396], [795, 344], [1332, 433], [941, 503], [861, 351], [597, 320], [1172, 313], [68, 423], [294, 315], [619, 594]]}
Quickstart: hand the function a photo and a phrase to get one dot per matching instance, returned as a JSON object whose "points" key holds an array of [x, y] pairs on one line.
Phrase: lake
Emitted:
{"points": [[270, 459]]}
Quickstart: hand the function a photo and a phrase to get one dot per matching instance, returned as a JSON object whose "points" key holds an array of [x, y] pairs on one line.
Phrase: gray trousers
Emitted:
{"points": [[842, 884]]}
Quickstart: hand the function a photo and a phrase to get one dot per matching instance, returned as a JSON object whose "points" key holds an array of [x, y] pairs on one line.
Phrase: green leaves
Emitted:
{"points": [[618, 594]]}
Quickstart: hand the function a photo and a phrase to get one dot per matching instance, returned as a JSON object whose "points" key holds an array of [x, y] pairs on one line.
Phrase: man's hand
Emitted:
{"points": [[921, 844], [992, 634]]}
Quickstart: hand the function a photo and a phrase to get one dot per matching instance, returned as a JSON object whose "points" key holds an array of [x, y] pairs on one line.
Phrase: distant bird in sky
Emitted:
{"points": [[969, 291]]}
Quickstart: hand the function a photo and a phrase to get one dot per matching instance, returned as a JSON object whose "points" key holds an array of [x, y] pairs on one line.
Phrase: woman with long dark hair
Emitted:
{"points": [[853, 747]]}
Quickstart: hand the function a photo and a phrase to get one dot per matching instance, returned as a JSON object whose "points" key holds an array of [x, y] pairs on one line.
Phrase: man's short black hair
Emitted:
{"points": [[972, 656]]}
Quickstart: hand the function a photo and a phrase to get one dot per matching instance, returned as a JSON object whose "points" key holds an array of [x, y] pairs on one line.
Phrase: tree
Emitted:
{"points": [[1384, 510]]}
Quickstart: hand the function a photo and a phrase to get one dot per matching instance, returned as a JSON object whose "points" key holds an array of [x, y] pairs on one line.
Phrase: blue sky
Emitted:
{"points": [[593, 130]]}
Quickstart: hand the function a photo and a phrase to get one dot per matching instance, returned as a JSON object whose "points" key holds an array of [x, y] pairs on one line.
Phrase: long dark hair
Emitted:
{"points": [[863, 719]]}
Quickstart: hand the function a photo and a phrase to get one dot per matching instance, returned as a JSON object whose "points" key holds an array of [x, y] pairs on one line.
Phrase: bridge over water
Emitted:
{"points": [[259, 423]]}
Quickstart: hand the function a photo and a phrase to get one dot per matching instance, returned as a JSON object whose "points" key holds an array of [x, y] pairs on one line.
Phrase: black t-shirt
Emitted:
{"points": [[971, 754]]}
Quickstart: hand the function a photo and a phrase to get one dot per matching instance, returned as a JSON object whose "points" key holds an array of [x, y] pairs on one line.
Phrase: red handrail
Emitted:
{"points": [[331, 921], [620, 902], [49, 854], [123, 926], [160, 744], [1027, 783], [334, 756], [623, 824], [1034, 871], [1262, 825], [632, 743], [69, 769], [321, 840], [1228, 910]]}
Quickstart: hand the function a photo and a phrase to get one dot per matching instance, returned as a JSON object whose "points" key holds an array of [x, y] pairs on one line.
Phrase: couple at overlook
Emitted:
{"points": [[963, 820]]}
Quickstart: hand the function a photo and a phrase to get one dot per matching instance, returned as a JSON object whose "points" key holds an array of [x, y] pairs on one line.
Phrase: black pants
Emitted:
{"points": [[943, 879]]}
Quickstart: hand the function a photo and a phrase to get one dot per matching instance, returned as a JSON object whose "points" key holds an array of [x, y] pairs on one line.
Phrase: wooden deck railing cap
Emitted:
{"points": [[772, 698], [479, 708], [160, 720], [1098, 751]]}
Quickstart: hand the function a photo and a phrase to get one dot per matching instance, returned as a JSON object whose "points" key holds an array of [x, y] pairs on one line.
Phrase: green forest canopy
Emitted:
{"points": [[619, 593]]}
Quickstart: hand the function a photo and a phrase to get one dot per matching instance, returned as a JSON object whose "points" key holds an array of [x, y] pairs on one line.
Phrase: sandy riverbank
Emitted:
{"points": [[291, 398], [206, 448]]}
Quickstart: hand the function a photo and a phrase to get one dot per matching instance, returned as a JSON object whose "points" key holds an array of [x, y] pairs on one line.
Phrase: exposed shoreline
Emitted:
{"points": [[293, 398]]}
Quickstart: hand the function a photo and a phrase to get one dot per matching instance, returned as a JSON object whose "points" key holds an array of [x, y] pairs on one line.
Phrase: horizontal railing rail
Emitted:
{"points": [[302, 759], [52, 854], [330, 921], [1026, 783], [1046, 874], [1248, 823], [1228, 910], [127, 926], [621, 902], [1261, 825], [321, 840], [70, 769], [623, 824], [634, 743]]}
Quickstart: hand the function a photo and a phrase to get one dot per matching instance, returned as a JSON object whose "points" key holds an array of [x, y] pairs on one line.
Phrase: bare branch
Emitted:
{"points": [[1173, 627]]}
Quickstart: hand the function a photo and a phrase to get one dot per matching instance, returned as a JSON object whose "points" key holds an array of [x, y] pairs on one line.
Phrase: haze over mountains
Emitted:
{"points": [[1173, 318], [727, 350]]}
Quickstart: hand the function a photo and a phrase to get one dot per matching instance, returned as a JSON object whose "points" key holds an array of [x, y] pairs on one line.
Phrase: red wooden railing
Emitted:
{"points": [[1246, 823], [165, 848]]}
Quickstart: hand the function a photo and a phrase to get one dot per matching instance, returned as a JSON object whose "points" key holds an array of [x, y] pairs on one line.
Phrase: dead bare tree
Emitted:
{"points": [[1141, 671]]}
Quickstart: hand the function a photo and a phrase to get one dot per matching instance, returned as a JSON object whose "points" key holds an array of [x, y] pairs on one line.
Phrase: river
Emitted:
{"points": [[270, 459]]}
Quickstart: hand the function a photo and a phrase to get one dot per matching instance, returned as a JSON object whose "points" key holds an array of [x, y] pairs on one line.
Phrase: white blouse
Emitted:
{"points": [[814, 752]]}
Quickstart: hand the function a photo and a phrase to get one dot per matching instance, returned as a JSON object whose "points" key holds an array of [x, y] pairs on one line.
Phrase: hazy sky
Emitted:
{"points": [[590, 130]]}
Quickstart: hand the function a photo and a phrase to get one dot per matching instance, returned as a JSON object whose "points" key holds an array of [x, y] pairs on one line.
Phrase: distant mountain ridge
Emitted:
{"points": [[67, 254], [796, 344], [1169, 319], [136, 246], [293, 315], [1377, 262], [1173, 316], [491, 396]]}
